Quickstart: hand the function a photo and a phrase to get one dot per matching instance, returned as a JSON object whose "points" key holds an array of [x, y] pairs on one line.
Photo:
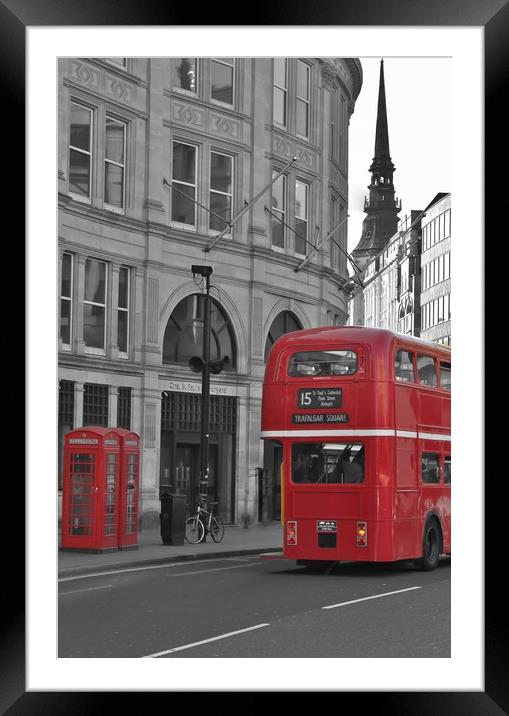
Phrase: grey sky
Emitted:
{"points": [[418, 114]]}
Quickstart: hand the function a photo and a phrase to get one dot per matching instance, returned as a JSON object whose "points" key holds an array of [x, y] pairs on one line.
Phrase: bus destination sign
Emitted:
{"points": [[319, 418], [319, 398]]}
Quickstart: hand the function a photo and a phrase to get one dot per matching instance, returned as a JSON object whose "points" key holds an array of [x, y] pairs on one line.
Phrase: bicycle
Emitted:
{"points": [[197, 527]]}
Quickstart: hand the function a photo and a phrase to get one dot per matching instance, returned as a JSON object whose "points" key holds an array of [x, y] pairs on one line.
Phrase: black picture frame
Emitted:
{"points": [[493, 15]]}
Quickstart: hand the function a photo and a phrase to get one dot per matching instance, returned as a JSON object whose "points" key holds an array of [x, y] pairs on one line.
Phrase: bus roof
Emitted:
{"points": [[357, 334]]}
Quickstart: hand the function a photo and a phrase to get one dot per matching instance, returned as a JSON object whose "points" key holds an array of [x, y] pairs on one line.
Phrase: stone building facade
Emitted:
{"points": [[407, 286], [168, 162]]}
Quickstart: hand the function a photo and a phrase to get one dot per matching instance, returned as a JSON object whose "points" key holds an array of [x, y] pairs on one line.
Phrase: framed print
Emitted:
{"points": [[36, 36]]}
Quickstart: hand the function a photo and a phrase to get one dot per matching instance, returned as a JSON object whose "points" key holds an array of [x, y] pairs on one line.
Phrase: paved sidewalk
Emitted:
{"points": [[151, 550]]}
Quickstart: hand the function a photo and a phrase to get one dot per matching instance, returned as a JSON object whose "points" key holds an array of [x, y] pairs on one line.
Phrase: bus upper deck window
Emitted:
{"points": [[427, 371], [404, 367], [445, 375], [323, 363]]}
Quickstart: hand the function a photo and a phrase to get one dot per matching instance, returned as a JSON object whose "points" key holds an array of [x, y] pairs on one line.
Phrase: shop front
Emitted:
{"points": [[180, 449]]}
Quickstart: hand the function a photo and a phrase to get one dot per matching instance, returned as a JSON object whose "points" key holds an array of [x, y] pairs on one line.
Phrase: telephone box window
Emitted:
{"points": [[110, 516], [82, 479], [131, 512]]}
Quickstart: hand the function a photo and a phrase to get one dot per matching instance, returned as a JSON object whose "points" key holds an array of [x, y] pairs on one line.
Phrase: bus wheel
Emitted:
{"points": [[431, 546]]}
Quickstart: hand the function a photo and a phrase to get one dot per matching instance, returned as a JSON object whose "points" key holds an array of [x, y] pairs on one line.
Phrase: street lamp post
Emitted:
{"points": [[205, 271]]}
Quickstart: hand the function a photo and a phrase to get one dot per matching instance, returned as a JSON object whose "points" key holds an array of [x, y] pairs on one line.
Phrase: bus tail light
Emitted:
{"points": [[291, 532], [362, 534]]}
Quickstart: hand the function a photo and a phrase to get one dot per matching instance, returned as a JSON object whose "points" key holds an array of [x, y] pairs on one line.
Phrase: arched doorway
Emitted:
{"points": [[181, 408], [285, 322]]}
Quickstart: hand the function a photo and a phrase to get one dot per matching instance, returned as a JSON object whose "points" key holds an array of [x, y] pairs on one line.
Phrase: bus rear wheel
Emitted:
{"points": [[431, 546]]}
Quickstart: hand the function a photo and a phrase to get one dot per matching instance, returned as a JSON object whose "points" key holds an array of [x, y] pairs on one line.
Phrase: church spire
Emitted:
{"points": [[381, 207], [382, 129]]}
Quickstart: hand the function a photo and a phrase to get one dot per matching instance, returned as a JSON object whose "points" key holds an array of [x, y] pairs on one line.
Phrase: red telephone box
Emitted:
{"points": [[91, 489], [129, 488]]}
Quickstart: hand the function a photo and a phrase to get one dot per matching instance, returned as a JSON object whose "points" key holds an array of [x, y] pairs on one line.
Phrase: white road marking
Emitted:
{"points": [[374, 596], [87, 589], [204, 641], [154, 566]]}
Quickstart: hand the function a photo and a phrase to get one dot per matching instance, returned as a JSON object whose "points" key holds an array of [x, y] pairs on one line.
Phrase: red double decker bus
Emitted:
{"points": [[364, 419]]}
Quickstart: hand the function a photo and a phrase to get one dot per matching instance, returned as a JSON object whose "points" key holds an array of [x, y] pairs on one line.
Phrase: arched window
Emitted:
{"points": [[183, 337], [285, 322]]}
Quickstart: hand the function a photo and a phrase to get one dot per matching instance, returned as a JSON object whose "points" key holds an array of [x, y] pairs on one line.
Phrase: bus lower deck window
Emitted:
{"points": [[327, 463]]}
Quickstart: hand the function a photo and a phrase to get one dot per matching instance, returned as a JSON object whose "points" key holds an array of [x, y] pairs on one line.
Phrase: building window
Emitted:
{"points": [[186, 73], [333, 111], [222, 79], [279, 209], [114, 163], [94, 309], [337, 236], [66, 287], [343, 129], [95, 404], [302, 106], [121, 61], [183, 337], [280, 90], [65, 421], [221, 183], [123, 309], [301, 217], [285, 322], [183, 195], [447, 223], [124, 408], [80, 151]]}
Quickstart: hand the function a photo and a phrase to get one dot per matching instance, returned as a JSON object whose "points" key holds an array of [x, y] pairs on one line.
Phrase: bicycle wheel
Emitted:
{"points": [[194, 530], [216, 529]]}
